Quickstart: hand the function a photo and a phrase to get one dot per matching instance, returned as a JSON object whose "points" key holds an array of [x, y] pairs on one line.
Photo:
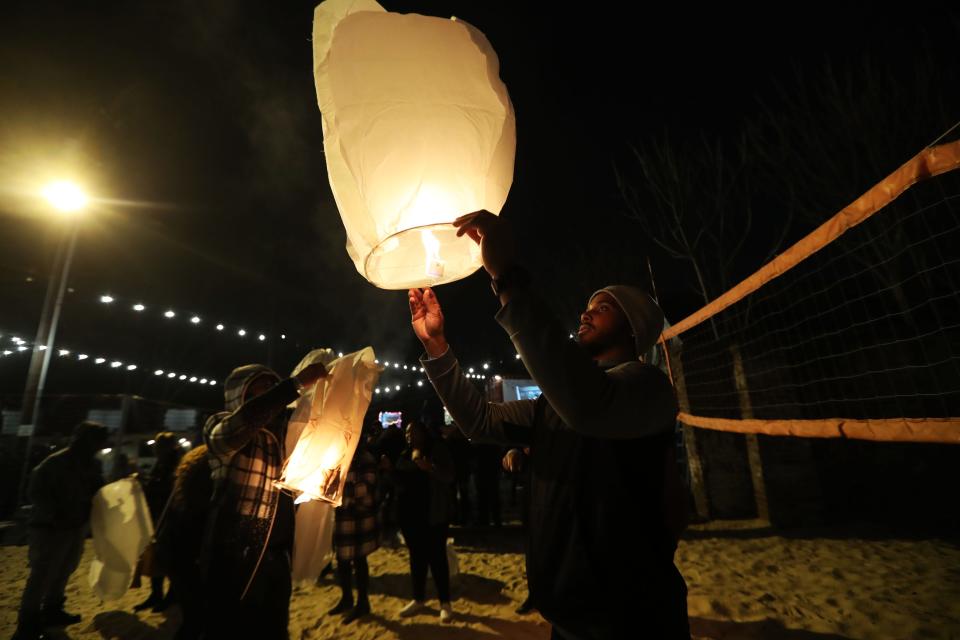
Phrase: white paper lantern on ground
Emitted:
{"points": [[418, 130]]}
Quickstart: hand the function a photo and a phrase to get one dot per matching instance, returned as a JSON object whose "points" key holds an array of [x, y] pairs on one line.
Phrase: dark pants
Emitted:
{"points": [[265, 611], [428, 549], [488, 489], [463, 498], [345, 571], [54, 555]]}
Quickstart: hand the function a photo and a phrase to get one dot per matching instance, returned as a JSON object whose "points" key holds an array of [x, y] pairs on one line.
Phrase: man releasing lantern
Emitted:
{"points": [[418, 130]]}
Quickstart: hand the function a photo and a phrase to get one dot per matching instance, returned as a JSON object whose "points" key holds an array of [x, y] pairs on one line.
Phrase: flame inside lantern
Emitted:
{"points": [[434, 265]]}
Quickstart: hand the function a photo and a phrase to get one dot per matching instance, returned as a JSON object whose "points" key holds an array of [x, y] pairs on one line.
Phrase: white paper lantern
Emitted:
{"points": [[418, 130], [327, 424], [122, 528]]}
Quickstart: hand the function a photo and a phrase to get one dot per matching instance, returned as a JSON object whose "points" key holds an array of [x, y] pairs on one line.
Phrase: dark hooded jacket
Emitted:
{"points": [[605, 499]]}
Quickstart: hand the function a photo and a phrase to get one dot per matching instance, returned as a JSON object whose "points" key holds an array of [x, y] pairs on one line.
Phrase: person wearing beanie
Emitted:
{"points": [[248, 538], [606, 506], [61, 494]]}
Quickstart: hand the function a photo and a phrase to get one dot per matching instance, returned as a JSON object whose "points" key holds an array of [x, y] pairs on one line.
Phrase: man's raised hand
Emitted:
{"points": [[426, 317]]}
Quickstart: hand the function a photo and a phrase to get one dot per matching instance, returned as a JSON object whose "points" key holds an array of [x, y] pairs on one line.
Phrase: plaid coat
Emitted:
{"points": [[356, 532], [245, 452]]}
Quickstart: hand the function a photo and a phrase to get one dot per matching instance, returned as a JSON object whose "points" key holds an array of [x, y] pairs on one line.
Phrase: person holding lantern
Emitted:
{"points": [[606, 506], [249, 532]]}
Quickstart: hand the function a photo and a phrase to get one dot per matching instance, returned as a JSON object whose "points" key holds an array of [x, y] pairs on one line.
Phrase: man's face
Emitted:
{"points": [[603, 324]]}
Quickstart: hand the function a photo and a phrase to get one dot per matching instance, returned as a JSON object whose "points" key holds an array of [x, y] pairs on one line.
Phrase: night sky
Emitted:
{"points": [[195, 125]]}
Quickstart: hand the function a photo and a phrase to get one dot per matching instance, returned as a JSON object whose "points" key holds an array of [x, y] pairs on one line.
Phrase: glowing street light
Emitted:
{"points": [[169, 313], [106, 299], [138, 307], [65, 196]]}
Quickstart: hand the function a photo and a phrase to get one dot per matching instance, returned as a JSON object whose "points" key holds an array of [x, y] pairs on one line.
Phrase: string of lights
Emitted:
{"points": [[20, 346], [192, 317], [196, 318]]}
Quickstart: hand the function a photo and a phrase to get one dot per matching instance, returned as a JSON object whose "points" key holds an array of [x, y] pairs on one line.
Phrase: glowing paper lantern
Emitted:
{"points": [[418, 130], [329, 421]]}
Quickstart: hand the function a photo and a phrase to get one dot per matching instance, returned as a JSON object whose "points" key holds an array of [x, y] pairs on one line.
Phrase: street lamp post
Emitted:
{"points": [[69, 199]]}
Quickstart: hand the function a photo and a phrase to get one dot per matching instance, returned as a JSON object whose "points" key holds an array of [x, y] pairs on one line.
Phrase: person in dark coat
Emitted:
{"points": [[179, 540], [61, 493], [157, 488], [606, 506], [423, 475]]}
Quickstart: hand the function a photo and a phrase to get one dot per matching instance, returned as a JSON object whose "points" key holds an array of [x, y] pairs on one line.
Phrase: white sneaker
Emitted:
{"points": [[446, 612], [412, 608]]}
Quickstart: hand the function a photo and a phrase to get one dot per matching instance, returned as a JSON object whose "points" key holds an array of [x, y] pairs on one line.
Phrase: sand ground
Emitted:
{"points": [[742, 584]]}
